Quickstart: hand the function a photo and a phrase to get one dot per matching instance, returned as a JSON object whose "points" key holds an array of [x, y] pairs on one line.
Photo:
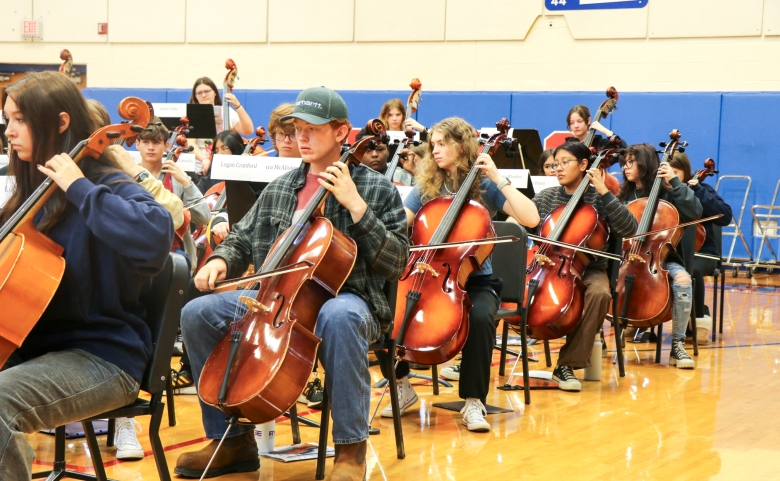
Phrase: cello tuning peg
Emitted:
{"points": [[416, 143], [662, 144], [484, 136], [681, 149], [155, 123], [137, 128], [371, 145], [190, 148], [113, 135], [684, 143]]}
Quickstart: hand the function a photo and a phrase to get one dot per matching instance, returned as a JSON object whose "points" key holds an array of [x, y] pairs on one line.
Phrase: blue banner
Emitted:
{"points": [[554, 5]]}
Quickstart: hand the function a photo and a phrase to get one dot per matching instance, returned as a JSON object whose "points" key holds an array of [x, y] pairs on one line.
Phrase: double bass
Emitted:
{"points": [[555, 305], [432, 325], [227, 87], [261, 366], [607, 107], [29, 258], [643, 283]]}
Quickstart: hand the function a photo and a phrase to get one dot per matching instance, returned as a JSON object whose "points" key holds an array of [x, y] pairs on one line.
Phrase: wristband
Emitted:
{"points": [[503, 183]]}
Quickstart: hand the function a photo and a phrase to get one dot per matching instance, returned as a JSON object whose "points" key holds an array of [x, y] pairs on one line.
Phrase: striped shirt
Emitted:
{"points": [[621, 222], [380, 234]]}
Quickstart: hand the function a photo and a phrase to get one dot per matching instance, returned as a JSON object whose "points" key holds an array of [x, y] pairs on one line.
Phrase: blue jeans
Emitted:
{"points": [[52, 390], [345, 325], [682, 294]]}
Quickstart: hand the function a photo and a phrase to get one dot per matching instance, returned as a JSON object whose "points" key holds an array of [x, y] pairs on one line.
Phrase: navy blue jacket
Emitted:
{"points": [[712, 204], [116, 239]]}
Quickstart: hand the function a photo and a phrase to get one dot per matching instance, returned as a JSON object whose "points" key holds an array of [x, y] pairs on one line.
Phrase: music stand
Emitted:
{"points": [[242, 198], [523, 154]]}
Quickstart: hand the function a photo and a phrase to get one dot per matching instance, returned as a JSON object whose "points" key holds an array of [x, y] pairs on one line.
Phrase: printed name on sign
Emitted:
{"points": [[251, 168], [518, 177]]}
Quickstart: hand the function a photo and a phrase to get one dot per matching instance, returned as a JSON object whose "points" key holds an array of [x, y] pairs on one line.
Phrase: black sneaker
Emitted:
{"points": [[313, 393], [678, 357], [182, 382], [566, 379], [178, 348]]}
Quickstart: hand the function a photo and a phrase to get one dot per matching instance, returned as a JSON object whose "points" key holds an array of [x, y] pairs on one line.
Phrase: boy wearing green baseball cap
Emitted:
{"points": [[364, 206]]}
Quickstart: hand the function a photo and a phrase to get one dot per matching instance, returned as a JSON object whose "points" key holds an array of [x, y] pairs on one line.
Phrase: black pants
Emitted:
{"points": [[484, 293], [701, 267]]}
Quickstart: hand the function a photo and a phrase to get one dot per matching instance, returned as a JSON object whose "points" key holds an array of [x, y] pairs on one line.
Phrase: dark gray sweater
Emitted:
{"points": [[619, 219]]}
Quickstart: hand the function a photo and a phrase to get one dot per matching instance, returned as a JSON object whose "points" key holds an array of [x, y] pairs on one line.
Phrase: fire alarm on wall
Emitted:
{"points": [[102, 29]]}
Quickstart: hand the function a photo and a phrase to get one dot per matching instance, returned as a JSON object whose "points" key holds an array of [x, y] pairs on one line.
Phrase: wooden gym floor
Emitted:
{"points": [[718, 421]]}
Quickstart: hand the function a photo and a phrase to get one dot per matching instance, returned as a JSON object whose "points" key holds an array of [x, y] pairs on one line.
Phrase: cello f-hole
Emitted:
{"points": [[651, 264], [276, 323], [446, 278], [561, 272]]}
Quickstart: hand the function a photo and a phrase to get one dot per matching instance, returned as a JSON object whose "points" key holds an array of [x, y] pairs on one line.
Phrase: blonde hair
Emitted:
{"points": [[458, 133]]}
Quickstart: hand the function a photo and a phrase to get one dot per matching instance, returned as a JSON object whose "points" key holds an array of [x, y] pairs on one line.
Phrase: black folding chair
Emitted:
{"points": [[163, 307]]}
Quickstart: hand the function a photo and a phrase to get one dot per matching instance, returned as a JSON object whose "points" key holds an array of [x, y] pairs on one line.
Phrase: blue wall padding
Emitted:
{"points": [[733, 128]]}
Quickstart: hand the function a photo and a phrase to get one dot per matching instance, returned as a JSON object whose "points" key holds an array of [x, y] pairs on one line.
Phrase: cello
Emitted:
{"points": [[556, 299], [607, 107], [28, 257], [261, 366], [434, 324], [404, 144], [414, 97], [642, 277], [709, 169]]}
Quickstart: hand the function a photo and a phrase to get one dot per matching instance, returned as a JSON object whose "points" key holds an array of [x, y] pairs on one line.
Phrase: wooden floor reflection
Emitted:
{"points": [[718, 421]]}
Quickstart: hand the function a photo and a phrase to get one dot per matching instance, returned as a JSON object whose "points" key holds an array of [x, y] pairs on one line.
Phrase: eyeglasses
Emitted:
{"points": [[203, 93], [563, 164], [280, 136], [628, 164]]}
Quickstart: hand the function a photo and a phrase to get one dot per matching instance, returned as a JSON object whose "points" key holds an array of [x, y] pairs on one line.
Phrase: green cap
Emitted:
{"points": [[318, 105]]}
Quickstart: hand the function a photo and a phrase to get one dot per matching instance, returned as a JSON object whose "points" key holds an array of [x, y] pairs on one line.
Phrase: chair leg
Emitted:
{"points": [[94, 451], [659, 339], [722, 295], [324, 428], [57, 470], [715, 277], [399, 435], [435, 377], [296, 429], [547, 355], [617, 330], [693, 321], [111, 430], [154, 439], [504, 340], [524, 354], [169, 399]]}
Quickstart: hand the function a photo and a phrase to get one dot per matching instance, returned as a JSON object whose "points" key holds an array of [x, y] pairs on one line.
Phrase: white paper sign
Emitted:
{"points": [[7, 183], [186, 162], [541, 182], [518, 177], [251, 168], [3, 160], [170, 110], [404, 190], [400, 136], [492, 130]]}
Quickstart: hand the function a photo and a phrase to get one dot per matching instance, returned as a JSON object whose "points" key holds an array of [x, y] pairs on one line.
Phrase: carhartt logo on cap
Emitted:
{"points": [[309, 103], [318, 106]]}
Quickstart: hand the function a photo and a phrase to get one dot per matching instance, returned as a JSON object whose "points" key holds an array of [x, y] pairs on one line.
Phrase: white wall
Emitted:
{"points": [[670, 45]]}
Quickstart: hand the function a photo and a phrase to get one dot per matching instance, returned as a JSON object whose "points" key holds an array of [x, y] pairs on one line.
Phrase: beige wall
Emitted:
{"points": [[671, 45]]}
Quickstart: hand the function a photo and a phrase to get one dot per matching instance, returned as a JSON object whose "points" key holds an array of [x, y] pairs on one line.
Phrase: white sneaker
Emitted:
{"points": [[125, 440], [406, 398], [474, 413], [452, 373], [703, 325]]}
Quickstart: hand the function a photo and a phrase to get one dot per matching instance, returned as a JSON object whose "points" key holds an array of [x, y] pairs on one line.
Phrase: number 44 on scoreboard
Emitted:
{"points": [[593, 4]]}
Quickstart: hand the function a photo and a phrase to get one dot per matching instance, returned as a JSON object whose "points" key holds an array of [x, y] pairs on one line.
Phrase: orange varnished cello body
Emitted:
{"points": [[438, 325], [276, 346], [557, 304], [29, 258], [709, 169], [642, 272]]}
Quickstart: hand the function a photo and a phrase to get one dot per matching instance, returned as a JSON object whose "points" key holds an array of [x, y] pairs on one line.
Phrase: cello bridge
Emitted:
{"points": [[253, 305], [543, 259], [423, 267], [636, 257]]}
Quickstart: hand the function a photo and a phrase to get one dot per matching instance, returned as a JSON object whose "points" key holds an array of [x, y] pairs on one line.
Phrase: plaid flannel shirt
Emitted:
{"points": [[380, 235]]}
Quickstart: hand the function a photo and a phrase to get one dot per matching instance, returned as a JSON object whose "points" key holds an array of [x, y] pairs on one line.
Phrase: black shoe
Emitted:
{"points": [[313, 393], [678, 357], [178, 348], [182, 382], [419, 367], [566, 379]]}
